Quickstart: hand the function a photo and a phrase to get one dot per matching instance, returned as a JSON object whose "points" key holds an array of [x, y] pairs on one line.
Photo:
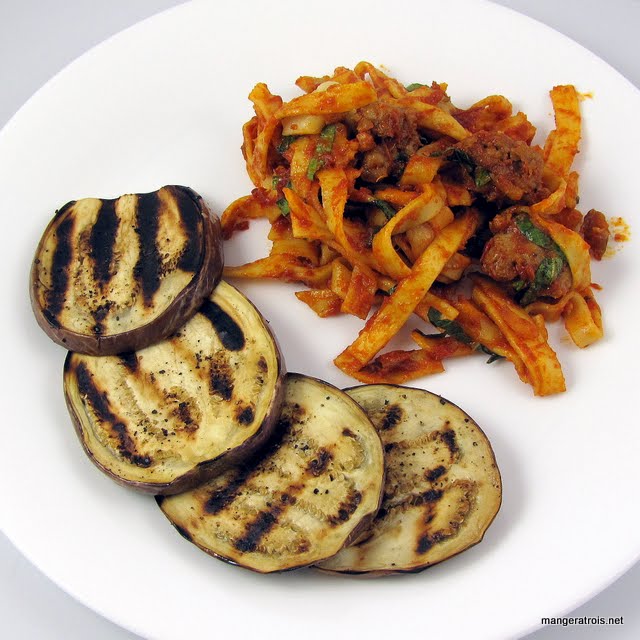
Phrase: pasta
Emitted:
{"points": [[387, 201]]}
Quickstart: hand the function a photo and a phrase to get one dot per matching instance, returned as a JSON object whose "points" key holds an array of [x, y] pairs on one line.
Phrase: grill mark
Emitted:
{"points": [[427, 541], [129, 360], [391, 418], [229, 332], [99, 314], [102, 241], [221, 380], [127, 447], [221, 498], [455, 520], [346, 508], [433, 474], [319, 464], [449, 438], [100, 405], [265, 521], [431, 495], [191, 222], [256, 530], [148, 268], [245, 415], [183, 413], [61, 261]]}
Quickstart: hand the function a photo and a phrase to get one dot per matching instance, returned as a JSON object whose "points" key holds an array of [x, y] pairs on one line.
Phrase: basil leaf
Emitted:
{"points": [[461, 157], [389, 292], [283, 205], [314, 165], [535, 235], [481, 176], [529, 296], [327, 138], [450, 327], [414, 85], [285, 143], [453, 329], [325, 144], [386, 208], [493, 356], [548, 270], [329, 132]]}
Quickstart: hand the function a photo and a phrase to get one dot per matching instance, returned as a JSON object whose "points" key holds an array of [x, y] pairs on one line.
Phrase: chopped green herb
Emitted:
{"points": [[529, 296], [548, 270], [535, 235], [388, 292], [462, 157], [519, 285], [327, 137], [493, 356], [414, 85], [450, 327], [325, 144], [275, 181], [285, 143], [386, 208], [314, 165], [453, 329], [329, 132], [481, 177], [283, 205]]}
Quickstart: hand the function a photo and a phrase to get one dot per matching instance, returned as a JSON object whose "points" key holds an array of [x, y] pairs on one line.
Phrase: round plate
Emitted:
{"points": [[164, 102]]}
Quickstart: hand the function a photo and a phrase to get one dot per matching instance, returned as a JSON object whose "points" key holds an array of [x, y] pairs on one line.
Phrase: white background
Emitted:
{"points": [[37, 39]]}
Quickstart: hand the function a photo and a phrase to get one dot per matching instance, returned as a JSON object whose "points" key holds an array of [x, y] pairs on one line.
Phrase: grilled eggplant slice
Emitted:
{"points": [[310, 492], [168, 417], [118, 275], [442, 489]]}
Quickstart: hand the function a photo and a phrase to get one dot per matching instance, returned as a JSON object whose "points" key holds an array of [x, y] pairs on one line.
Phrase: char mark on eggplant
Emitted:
{"points": [[102, 241], [62, 257], [148, 268], [229, 332]]}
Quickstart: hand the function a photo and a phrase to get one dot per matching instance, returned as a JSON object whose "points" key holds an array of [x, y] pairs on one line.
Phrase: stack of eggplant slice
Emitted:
{"points": [[176, 387]]}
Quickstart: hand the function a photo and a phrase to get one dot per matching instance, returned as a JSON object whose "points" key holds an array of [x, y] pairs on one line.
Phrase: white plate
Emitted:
{"points": [[164, 102]]}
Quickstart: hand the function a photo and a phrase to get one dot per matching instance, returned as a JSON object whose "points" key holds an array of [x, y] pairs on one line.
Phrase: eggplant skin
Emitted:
{"points": [[443, 487], [111, 276], [312, 490], [166, 418]]}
